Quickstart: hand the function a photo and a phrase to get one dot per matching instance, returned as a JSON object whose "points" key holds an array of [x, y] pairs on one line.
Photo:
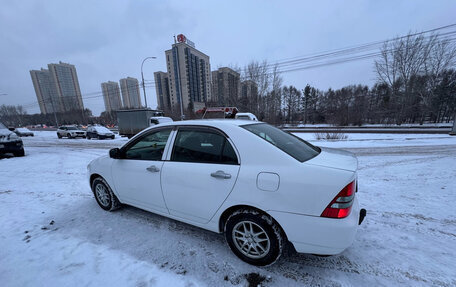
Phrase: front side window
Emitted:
{"points": [[149, 147], [203, 146], [292, 145]]}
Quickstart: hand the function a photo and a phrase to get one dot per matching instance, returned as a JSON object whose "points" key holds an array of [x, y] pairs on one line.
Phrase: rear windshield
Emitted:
{"points": [[292, 145], [102, 129]]}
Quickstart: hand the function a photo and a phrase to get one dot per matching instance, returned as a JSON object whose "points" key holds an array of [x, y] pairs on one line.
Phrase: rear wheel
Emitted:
{"points": [[59, 136], [104, 196], [254, 237]]}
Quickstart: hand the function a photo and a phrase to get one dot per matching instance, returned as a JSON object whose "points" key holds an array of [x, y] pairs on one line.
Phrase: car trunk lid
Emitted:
{"points": [[335, 158]]}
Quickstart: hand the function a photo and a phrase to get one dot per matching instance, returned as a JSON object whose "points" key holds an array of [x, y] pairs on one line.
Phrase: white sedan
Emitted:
{"points": [[260, 186]]}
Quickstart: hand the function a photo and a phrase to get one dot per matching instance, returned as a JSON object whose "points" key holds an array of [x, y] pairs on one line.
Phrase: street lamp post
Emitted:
{"points": [[142, 76]]}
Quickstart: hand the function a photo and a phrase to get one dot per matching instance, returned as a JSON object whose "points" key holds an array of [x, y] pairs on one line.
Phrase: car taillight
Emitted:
{"points": [[341, 205]]}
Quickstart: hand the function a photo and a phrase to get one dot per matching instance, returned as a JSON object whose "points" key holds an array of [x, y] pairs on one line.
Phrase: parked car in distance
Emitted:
{"points": [[159, 120], [10, 142], [70, 132], [23, 132], [99, 132], [246, 116], [261, 187]]}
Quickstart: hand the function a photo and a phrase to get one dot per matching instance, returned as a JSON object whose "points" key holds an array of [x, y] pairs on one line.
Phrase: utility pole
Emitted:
{"points": [[142, 77], [55, 115], [179, 85], [453, 131]]}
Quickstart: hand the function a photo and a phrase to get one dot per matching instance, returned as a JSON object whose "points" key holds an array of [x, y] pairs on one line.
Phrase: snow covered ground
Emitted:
{"points": [[52, 232]]}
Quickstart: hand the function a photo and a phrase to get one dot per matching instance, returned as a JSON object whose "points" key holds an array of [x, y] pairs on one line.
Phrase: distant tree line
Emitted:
{"points": [[416, 84], [15, 116]]}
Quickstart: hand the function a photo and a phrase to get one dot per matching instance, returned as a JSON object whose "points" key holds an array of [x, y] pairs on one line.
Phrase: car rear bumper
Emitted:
{"points": [[78, 135], [7, 147], [105, 136], [319, 235]]}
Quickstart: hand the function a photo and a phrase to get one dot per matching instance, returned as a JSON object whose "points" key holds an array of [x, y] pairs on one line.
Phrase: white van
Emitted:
{"points": [[159, 120], [246, 116]]}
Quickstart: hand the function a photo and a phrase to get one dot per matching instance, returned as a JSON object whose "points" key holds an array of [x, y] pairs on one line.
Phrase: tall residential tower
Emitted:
{"points": [[111, 96], [130, 93], [162, 90], [189, 75], [57, 88], [226, 86]]}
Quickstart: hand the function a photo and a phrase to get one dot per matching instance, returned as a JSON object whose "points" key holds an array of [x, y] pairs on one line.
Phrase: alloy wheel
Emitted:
{"points": [[102, 194], [251, 239]]}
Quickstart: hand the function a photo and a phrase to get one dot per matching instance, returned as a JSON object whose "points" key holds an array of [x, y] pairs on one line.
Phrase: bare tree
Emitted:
{"points": [[291, 97], [411, 67]]}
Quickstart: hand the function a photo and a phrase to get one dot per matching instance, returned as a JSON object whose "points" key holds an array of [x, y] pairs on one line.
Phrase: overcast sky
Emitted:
{"points": [[107, 40]]}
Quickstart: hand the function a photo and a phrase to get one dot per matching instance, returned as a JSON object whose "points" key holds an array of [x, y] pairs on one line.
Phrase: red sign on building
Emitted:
{"points": [[181, 38]]}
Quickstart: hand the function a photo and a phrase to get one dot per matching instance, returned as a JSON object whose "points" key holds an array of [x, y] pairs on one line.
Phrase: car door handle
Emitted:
{"points": [[221, 174], [153, 168]]}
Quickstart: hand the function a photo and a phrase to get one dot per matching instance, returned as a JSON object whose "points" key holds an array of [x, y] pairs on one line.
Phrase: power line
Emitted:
{"points": [[351, 49]]}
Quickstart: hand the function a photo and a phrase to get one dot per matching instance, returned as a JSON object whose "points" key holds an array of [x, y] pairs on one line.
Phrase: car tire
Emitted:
{"points": [[104, 196], [59, 136], [99, 137], [19, 153], [254, 237], [69, 136]]}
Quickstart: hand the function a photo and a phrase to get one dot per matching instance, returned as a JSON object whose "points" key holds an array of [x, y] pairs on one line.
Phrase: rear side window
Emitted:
{"points": [[292, 145], [203, 146], [149, 147]]}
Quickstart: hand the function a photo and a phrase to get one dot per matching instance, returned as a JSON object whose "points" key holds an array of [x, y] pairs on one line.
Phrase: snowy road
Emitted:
{"points": [[52, 232]]}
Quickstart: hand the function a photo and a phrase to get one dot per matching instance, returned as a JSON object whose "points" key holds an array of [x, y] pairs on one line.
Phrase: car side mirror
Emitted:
{"points": [[115, 153]]}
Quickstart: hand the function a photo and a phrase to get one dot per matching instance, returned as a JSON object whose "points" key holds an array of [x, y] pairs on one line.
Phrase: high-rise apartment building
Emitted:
{"points": [[249, 89], [45, 91], [162, 90], [57, 88], [189, 75], [66, 82], [130, 93], [111, 96], [226, 85]]}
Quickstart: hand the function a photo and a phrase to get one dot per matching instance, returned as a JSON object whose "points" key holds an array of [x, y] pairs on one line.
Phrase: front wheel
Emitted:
{"points": [[254, 237], [19, 153], [104, 195]]}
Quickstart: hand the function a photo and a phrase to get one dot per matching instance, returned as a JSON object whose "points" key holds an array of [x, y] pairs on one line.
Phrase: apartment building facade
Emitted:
{"points": [[189, 75], [111, 96], [226, 86], [130, 93], [57, 88], [162, 90]]}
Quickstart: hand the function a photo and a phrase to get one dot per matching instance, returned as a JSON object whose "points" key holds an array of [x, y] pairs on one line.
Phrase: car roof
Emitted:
{"points": [[212, 122]]}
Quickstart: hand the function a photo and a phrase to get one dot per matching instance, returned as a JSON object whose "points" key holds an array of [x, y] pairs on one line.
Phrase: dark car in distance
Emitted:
{"points": [[10, 142], [99, 132]]}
